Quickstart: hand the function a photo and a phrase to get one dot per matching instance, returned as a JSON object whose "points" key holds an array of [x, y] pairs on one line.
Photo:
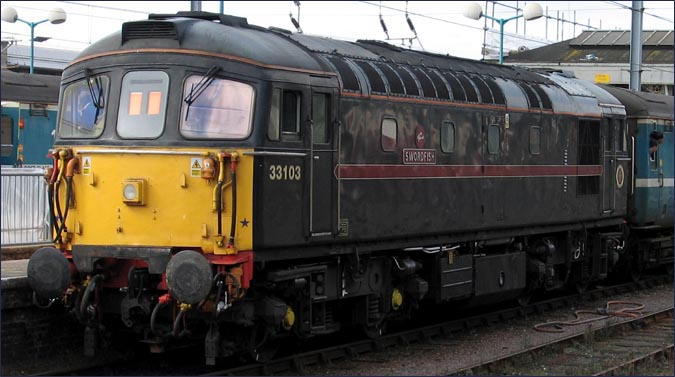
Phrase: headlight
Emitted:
{"points": [[130, 191], [133, 192]]}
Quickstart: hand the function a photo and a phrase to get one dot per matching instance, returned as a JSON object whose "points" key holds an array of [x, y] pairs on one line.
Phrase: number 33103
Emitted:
{"points": [[285, 173]]}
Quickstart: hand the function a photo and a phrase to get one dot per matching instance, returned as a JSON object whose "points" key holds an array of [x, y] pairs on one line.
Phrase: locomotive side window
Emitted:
{"points": [[273, 130], [217, 109], [319, 118], [448, 137], [493, 139], [621, 142], [290, 113], [653, 157], [389, 134], [284, 115], [82, 108], [535, 140]]}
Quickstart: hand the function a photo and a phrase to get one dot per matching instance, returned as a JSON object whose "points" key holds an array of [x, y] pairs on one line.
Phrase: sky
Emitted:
{"points": [[439, 25]]}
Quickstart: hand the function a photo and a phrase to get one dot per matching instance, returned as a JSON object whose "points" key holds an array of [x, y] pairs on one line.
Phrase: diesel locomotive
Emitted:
{"points": [[221, 181]]}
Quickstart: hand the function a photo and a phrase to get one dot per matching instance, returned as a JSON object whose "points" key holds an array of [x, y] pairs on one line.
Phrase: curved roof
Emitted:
{"points": [[35, 88], [229, 36], [644, 104], [363, 67]]}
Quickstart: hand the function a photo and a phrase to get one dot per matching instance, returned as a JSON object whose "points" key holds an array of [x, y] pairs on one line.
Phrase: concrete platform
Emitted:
{"points": [[14, 274]]}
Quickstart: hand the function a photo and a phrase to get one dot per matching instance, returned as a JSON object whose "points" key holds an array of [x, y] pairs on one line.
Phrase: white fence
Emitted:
{"points": [[25, 211]]}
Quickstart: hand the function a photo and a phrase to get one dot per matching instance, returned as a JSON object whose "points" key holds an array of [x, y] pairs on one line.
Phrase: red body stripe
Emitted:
{"points": [[463, 171]]}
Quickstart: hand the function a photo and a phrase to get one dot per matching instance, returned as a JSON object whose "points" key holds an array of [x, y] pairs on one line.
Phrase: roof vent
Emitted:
{"points": [[148, 29], [224, 19]]}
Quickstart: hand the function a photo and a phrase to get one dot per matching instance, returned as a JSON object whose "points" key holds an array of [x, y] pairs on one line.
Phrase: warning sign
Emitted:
{"points": [[86, 166], [196, 167]]}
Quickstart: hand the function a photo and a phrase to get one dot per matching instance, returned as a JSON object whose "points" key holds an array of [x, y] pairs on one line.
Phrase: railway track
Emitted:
{"points": [[435, 334], [604, 351], [428, 334]]}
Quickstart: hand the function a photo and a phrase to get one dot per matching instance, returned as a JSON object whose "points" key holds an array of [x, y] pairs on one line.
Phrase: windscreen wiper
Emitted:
{"points": [[198, 89], [95, 92]]}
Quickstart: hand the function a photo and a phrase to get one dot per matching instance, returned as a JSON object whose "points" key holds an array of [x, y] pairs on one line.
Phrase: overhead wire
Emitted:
{"points": [[421, 15], [643, 10]]}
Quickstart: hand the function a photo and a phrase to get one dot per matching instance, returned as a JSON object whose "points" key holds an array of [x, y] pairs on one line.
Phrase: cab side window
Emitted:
{"points": [[319, 118], [284, 121]]}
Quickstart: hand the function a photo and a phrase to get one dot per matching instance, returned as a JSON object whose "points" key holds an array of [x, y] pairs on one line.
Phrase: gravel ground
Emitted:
{"points": [[445, 356]]}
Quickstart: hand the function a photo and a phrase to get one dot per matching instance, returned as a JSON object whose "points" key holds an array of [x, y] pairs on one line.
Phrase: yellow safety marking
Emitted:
{"points": [[86, 166], [195, 167]]}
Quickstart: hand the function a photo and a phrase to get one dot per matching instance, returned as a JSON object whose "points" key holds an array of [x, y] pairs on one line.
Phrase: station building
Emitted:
{"points": [[603, 56]]}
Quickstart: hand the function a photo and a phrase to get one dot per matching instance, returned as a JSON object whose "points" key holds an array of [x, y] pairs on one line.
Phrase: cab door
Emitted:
{"points": [[323, 159]]}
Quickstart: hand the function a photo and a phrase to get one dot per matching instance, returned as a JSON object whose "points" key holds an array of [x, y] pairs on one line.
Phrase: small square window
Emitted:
{"points": [[448, 137], [493, 139], [535, 140], [319, 118], [621, 142], [284, 121], [290, 113], [389, 134]]}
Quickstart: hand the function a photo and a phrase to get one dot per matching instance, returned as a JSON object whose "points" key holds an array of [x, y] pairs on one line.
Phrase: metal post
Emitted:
{"points": [[501, 23], [222, 6], [517, 7], [195, 6], [636, 46], [32, 47], [32, 26], [574, 28], [501, 41], [546, 33], [557, 26]]}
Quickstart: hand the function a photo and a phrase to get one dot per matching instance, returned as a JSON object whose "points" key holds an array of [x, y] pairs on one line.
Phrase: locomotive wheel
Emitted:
{"points": [[525, 297], [634, 273], [258, 343], [581, 286], [374, 332]]}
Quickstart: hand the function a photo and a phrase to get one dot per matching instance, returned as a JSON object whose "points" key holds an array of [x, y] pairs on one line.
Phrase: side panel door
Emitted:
{"points": [[323, 160], [493, 155], [609, 165]]}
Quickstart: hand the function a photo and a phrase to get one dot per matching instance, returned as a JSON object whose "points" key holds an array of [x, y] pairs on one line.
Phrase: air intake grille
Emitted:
{"points": [[148, 29]]}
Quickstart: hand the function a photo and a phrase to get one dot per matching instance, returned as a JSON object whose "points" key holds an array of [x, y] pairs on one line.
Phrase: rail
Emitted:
{"points": [[25, 213]]}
